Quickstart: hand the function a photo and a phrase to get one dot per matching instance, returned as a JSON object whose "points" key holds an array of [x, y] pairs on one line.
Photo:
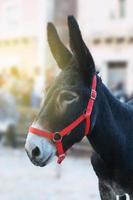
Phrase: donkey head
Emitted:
{"points": [[67, 97]]}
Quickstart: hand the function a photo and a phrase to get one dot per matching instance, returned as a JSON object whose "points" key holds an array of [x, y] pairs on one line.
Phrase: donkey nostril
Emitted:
{"points": [[35, 152]]}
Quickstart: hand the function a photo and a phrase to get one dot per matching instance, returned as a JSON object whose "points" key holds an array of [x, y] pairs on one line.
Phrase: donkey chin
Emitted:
{"points": [[40, 150]]}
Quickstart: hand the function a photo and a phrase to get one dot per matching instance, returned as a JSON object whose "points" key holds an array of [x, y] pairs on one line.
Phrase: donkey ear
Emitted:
{"points": [[81, 52], [60, 52]]}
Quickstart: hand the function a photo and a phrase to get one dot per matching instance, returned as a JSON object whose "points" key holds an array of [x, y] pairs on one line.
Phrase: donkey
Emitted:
{"points": [[111, 128]]}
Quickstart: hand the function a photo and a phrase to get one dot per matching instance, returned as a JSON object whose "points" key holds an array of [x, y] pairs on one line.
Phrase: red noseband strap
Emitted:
{"points": [[57, 136]]}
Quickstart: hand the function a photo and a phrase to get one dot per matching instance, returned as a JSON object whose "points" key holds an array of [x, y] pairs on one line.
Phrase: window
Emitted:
{"points": [[122, 8], [12, 14], [116, 73]]}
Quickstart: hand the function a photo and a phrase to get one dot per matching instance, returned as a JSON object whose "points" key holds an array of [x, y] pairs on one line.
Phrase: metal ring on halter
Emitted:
{"points": [[57, 137], [93, 94]]}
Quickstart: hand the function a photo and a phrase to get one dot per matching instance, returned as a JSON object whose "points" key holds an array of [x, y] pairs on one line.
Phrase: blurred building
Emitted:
{"points": [[23, 42], [22, 33], [107, 28], [108, 31]]}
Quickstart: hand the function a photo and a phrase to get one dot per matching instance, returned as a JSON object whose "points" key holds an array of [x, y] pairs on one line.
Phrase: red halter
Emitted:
{"points": [[56, 137]]}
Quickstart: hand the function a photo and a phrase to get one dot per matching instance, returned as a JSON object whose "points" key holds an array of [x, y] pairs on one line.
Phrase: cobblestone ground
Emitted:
{"points": [[20, 180]]}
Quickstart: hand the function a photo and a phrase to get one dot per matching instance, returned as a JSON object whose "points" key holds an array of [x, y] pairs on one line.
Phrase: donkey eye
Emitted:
{"points": [[68, 96]]}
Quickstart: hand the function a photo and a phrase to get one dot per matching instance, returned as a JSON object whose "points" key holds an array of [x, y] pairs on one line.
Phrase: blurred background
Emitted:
{"points": [[27, 69]]}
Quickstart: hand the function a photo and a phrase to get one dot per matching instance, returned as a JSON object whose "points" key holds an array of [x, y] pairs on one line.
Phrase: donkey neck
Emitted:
{"points": [[113, 131]]}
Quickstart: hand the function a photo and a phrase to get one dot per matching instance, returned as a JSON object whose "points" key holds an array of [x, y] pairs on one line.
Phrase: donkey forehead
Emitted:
{"points": [[68, 77]]}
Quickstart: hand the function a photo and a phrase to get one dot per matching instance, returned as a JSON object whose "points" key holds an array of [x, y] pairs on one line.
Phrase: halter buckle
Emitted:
{"points": [[62, 155], [61, 158], [93, 94], [57, 137]]}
